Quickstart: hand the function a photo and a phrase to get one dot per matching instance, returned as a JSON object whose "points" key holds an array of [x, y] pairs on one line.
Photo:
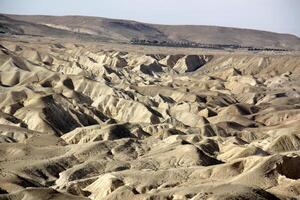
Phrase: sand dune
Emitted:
{"points": [[79, 122]]}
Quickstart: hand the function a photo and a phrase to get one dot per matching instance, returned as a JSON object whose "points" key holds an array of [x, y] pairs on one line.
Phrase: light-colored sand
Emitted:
{"points": [[80, 122]]}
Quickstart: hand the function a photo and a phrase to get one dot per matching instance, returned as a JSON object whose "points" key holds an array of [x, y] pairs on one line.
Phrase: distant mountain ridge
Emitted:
{"points": [[115, 30]]}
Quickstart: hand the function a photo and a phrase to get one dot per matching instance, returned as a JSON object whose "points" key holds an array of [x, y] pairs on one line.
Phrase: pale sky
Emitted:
{"points": [[281, 16]]}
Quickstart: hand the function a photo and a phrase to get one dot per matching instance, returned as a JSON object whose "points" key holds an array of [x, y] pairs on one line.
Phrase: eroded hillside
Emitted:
{"points": [[82, 123]]}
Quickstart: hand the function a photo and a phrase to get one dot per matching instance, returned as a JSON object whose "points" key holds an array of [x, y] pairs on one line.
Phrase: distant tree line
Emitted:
{"points": [[189, 44], [265, 49]]}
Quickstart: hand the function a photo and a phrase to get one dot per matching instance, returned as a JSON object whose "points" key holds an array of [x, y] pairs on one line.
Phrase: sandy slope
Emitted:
{"points": [[78, 122]]}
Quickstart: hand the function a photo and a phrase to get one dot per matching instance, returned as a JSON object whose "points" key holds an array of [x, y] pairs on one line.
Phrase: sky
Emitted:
{"points": [[281, 16]]}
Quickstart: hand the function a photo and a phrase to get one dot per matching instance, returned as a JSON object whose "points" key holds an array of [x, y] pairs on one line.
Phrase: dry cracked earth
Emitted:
{"points": [[78, 122]]}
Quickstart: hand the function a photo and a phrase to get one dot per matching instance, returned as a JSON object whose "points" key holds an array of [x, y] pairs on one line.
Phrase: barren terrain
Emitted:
{"points": [[97, 121], [114, 30]]}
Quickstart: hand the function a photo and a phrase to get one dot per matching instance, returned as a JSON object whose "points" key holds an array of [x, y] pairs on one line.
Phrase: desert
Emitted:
{"points": [[87, 117]]}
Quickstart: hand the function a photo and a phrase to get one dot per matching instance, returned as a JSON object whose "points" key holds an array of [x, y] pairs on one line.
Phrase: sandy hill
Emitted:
{"points": [[123, 30]]}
